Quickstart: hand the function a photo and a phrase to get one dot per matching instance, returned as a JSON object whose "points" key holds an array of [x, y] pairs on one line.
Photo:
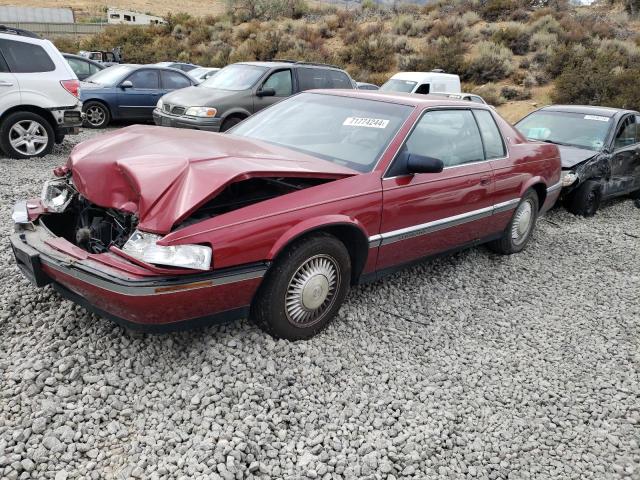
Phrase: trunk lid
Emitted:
{"points": [[163, 174]]}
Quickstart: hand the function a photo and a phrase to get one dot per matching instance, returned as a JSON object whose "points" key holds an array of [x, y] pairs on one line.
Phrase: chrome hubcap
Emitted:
{"points": [[312, 290], [522, 222], [28, 137], [95, 115]]}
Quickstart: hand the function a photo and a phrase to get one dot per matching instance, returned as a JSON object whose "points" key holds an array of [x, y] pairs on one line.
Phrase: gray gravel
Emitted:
{"points": [[472, 366]]}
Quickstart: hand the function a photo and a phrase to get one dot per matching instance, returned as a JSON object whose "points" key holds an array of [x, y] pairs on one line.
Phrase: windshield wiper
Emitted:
{"points": [[555, 142]]}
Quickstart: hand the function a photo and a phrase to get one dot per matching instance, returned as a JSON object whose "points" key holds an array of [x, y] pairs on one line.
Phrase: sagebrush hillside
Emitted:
{"points": [[505, 50]]}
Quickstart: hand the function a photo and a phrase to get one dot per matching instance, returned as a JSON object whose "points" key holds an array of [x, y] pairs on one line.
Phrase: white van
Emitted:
{"points": [[422, 82]]}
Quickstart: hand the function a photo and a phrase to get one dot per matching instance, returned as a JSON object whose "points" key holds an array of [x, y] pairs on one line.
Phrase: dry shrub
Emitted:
{"points": [[492, 62], [490, 93], [373, 53], [447, 28], [470, 18], [541, 41], [446, 53], [513, 93], [546, 24], [495, 10], [514, 36]]}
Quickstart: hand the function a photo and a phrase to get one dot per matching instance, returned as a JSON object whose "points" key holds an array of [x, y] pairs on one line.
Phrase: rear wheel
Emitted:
{"points": [[585, 200], [97, 115], [520, 228], [26, 135], [304, 289]]}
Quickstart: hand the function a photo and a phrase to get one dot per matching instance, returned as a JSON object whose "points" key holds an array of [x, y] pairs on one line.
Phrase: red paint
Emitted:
{"points": [[164, 174]]}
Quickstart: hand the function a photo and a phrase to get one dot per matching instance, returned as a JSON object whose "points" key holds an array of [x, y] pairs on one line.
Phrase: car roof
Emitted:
{"points": [[588, 110], [411, 99], [284, 63], [421, 76]]}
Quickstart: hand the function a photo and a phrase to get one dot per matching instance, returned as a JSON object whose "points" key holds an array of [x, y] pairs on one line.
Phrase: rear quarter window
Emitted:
{"points": [[23, 57], [310, 78], [339, 79]]}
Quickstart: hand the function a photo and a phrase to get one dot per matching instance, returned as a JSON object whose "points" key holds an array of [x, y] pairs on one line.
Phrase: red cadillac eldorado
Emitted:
{"points": [[159, 228]]}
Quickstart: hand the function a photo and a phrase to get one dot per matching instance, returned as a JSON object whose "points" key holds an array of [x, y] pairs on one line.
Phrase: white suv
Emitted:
{"points": [[39, 102]]}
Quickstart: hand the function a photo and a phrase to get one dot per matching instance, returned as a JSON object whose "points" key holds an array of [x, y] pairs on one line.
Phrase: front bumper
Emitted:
{"points": [[164, 120], [149, 303]]}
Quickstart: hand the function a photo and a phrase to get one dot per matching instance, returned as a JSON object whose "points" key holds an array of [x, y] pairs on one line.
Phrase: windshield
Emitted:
{"points": [[109, 76], [351, 132], [395, 85], [196, 72], [566, 128], [235, 77]]}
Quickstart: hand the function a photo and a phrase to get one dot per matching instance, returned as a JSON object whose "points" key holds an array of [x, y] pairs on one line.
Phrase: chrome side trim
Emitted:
{"points": [[555, 187], [375, 241], [159, 288], [506, 206], [436, 225]]}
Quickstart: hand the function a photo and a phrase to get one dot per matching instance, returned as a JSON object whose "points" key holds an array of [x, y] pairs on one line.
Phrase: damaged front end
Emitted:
{"points": [[69, 215]]}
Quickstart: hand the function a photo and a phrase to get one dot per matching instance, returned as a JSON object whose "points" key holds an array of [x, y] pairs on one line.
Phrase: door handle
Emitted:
{"points": [[5, 84], [485, 180]]}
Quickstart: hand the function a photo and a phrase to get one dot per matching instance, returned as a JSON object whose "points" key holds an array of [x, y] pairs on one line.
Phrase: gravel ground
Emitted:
{"points": [[472, 366]]}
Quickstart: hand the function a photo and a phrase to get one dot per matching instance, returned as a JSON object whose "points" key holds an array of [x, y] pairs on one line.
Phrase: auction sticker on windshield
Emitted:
{"points": [[366, 122], [596, 117]]}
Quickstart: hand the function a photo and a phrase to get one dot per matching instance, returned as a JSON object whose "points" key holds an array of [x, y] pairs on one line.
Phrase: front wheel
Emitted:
{"points": [[520, 227], [585, 200], [304, 289], [26, 135], [230, 123]]}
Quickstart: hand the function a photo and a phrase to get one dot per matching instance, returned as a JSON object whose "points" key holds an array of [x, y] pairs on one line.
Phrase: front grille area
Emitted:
{"points": [[173, 109]]}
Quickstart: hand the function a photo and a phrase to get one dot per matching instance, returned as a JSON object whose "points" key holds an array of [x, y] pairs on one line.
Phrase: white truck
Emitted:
{"points": [[422, 82], [39, 101]]}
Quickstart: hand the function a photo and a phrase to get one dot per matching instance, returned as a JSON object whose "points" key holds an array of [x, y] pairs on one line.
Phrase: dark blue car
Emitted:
{"points": [[128, 92]]}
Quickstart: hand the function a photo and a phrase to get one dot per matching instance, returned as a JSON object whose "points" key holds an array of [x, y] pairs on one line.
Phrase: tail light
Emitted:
{"points": [[71, 86]]}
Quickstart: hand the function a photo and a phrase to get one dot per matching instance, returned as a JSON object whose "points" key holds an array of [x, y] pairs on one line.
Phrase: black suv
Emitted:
{"points": [[241, 89]]}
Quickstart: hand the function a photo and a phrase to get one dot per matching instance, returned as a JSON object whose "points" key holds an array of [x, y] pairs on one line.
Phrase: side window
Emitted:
{"points": [[339, 79], [450, 135], [3, 65], [78, 66], [423, 89], [145, 79], [173, 81], [310, 78], [493, 145], [637, 119], [22, 57], [476, 99], [280, 82], [626, 134], [93, 69]]}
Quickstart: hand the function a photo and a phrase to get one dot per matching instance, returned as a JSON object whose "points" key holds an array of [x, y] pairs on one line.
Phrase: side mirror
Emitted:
{"points": [[266, 92], [126, 84], [421, 164]]}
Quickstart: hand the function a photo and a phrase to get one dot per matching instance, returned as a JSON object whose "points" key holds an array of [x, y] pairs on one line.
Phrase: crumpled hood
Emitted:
{"points": [[163, 174], [572, 156], [201, 96]]}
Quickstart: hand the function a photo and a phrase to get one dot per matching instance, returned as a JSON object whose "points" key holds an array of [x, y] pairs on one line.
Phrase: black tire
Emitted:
{"points": [[230, 122], [517, 234], [585, 200], [635, 195], [279, 307], [97, 115], [33, 130]]}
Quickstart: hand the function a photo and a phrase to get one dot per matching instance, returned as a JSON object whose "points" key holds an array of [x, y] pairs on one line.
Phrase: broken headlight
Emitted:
{"points": [[568, 178], [56, 195], [142, 245]]}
